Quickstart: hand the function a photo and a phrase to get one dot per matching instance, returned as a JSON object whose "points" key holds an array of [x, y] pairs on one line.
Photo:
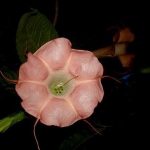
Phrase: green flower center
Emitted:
{"points": [[60, 84]]}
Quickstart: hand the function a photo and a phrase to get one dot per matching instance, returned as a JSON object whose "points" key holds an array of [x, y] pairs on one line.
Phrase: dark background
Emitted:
{"points": [[85, 23]]}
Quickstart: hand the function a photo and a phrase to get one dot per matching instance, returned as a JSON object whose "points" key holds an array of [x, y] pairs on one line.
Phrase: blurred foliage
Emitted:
{"points": [[34, 30], [145, 70], [80, 137], [74, 141], [10, 120]]}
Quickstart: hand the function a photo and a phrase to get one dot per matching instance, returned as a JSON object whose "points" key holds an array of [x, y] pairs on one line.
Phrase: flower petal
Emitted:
{"points": [[55, 52], [85, 65], [85, 97], [58, 112], [33, 69], [33, 95]]}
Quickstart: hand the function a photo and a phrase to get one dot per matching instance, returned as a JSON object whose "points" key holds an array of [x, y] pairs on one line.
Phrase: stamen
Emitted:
{"points": [[7, 79], [69, 80], [59, 87]]}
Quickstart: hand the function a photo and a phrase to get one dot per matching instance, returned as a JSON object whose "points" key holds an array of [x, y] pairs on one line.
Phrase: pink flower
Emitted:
{"points": [[60, 85]]}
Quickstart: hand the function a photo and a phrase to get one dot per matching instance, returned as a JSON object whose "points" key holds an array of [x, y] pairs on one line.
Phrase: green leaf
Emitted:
{"points": [[145, 70], [74, 141], [9, 121], [33, 31], [81, 137]]}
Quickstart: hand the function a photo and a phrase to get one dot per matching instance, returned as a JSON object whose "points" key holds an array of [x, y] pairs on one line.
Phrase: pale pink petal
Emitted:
{"points": [[44, 67], [85, 65], [58, 112], [33, 69], [33, 95], [86, 97], [55, 52]]}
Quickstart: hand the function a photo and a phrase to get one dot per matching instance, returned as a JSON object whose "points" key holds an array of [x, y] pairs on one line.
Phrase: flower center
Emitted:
{"points": [[59, 89], [61, 84]]}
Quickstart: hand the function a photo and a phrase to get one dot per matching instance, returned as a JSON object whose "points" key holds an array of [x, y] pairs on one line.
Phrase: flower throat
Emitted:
{"points": [[59, 86]]}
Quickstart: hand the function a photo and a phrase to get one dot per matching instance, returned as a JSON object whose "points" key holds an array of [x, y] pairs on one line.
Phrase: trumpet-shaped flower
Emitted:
{"points": [[60, 85]]}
